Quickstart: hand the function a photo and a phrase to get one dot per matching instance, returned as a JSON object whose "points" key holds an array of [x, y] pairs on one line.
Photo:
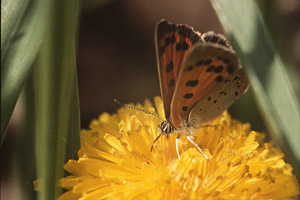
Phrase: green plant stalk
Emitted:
{"points": [[57, 107], [276, 98]]}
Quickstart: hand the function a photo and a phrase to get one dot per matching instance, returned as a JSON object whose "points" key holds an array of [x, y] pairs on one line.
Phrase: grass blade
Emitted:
{"points": [[12, 12], [276, 98], [20, 48]]}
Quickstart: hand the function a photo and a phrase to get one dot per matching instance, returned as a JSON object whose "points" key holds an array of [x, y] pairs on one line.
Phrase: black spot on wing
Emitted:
{"points": [[219, 69], [223, 92], [200, 62], [191, 83], [170, 66], [172, 39], [189, 68], [161, 51], [184, 46], [188, 95], [178, 46], [184, 108], [167, 41], [181, 46], [172, 83], [219, 78], [207, 62], [210, 68]]}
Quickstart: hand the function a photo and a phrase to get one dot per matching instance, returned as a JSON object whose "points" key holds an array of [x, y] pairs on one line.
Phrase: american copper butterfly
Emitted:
{"points": [[200, 77]]}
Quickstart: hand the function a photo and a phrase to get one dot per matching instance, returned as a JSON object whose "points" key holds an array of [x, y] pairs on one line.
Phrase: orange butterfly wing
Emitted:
{"points": [[172, 44], [219, 98], [205, 66]]}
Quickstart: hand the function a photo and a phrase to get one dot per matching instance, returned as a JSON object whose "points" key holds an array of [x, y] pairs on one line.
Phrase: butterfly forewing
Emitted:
{"points": [[172, 44], [219, 98], [199, 75], [205, 66]]}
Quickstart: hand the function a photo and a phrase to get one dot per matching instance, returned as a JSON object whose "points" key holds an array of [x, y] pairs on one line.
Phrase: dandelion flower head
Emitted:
{"points": [[115, 161]]}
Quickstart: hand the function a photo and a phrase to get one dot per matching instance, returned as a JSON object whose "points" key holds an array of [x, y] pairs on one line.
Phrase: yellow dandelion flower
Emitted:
{"points": [[115, 162]]}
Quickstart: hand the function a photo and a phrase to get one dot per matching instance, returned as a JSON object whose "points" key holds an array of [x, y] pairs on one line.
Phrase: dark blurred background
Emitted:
{"points": [[116, 58], [116, 52]]}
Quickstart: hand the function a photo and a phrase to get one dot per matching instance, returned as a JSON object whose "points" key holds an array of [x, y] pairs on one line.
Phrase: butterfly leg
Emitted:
{"points": [[177, 150], [194, 143]]}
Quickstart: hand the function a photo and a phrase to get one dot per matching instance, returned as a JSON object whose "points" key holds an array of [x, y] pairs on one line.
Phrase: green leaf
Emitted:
{"points": [[12, 13], [57, 107], [276, 98], [21, 35]]}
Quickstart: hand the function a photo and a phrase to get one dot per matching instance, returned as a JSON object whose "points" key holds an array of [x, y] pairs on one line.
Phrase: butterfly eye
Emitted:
{"points": [[166, 127]]}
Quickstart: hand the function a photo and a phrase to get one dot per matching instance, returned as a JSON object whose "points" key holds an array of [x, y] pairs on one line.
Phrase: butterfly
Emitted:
{"points": [[200, 77]]}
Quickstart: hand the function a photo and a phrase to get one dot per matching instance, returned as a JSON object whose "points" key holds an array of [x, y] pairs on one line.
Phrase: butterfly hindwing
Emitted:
{"points": [[219, 98], [218, 39], [172, 44], [205, 66]]}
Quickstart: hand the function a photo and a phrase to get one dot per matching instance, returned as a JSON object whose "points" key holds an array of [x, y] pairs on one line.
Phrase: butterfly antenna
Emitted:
{"points": [[154, 141], [136, 108]]}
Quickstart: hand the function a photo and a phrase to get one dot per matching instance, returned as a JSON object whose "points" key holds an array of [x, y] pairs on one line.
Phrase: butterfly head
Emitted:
{"points": [[165, 127]]}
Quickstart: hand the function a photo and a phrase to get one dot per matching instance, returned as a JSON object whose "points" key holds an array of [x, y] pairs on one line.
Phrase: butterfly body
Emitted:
{"points": [[200, 77]]}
